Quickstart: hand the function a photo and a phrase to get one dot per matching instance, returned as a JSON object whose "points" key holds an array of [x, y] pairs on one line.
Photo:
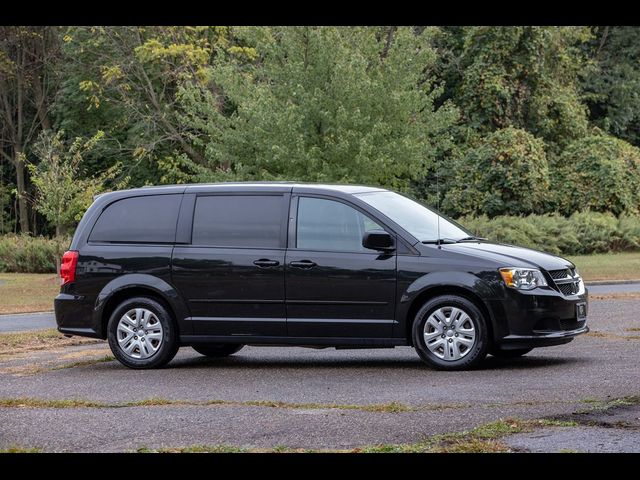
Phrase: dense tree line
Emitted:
{"points": [[507, 120]]}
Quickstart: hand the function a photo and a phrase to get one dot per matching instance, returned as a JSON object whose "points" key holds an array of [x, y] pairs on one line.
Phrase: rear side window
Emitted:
{"points": [[238, 221], [149, 219]]}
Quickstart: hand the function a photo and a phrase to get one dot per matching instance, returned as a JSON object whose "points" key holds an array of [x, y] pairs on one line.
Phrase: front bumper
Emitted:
{"points": [[537, 318]]}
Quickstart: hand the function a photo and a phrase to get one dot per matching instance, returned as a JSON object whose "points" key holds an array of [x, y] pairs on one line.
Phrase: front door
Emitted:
{"points": [[232, 273], [334, 286]]}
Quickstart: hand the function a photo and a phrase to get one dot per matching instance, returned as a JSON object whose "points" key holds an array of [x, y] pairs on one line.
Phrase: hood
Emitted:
{"points": [[509, 255]]}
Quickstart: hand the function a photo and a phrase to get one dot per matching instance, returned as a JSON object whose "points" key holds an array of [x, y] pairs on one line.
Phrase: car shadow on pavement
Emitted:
{"points": [[249, 362]]}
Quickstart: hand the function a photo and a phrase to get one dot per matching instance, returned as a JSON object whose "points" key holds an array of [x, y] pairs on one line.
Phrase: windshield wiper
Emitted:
{"points": [[470, 239], [442, 240], [452, 240]]}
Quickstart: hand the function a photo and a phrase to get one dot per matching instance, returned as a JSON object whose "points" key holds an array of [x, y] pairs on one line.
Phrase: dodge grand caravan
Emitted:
{"points": [[220, 266]]}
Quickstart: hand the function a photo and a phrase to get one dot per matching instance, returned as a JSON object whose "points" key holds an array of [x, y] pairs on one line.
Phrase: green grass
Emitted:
{"points": [[18, 449], [11, 343], [608, 266], [28, 292]]}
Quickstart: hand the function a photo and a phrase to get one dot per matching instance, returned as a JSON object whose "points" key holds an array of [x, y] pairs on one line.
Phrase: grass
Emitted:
{"points": [[608, 266], [12, 343], [27, 292], [597, 405], [18, 449], [483, 439]]}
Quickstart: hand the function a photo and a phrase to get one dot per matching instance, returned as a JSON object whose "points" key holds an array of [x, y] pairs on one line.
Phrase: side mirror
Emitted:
{"points": [[378, 240]]}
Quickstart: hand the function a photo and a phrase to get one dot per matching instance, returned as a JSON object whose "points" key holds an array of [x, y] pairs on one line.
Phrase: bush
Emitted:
{"points": [[582, 233], [25, 254], [599, 173], [507, 174]]}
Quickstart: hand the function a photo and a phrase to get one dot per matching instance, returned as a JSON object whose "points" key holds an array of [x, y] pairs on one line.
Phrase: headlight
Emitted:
{"points": [[523, 278]]}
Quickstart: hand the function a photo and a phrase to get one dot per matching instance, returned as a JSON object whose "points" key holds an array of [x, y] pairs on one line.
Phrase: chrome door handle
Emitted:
{"points": [[306, 264], [265, 262]]}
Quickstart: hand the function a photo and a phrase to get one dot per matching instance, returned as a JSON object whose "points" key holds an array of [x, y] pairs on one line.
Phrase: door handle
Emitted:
{"points": [[265, 262], [303, 264]]}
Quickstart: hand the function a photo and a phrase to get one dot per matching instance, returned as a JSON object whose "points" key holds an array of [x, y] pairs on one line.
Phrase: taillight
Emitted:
{"points": [[68, 266]]}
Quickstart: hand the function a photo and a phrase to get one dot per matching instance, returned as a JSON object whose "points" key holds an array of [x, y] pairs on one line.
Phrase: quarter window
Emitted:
{"points": [[329, 225], [238, 221], [148, 219]]}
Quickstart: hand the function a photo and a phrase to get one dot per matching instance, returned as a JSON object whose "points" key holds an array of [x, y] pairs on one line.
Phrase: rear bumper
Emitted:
{"points": [[75, 316]]}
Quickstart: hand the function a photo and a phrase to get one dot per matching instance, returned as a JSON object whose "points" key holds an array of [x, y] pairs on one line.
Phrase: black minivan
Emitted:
{"points": [[220, 266]]}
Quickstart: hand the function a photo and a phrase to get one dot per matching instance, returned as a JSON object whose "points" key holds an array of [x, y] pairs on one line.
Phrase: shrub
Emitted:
{"points": [[582, 233], [506, 174], [25, 254], [599, 173]]}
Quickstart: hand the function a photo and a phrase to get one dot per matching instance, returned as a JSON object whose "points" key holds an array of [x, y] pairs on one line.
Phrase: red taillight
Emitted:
{"points": [[68, 266]]}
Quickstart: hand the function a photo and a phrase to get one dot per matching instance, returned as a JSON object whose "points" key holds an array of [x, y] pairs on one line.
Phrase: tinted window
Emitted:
{"points": [[238, 221], [149, 219], [329, 225]]}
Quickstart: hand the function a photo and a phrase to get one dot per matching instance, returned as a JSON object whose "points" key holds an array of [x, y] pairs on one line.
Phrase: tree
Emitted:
{"points": [[522, 77], [63, 194], [612, 81], [598, 172], [506, 174], [27, 79], [322, 104]]}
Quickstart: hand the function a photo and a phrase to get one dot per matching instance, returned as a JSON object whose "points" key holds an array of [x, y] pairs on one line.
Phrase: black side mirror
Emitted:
{"points": [[378, 240]]}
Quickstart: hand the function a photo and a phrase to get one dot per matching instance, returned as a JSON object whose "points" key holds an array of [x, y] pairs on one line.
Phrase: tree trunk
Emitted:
{"points": [[21, 187]]}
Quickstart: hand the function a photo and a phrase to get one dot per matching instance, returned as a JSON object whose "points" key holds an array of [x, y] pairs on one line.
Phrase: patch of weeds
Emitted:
{"points": [[84, 363], [26, 402], [195, 449], [12, 343], [18, 449]]}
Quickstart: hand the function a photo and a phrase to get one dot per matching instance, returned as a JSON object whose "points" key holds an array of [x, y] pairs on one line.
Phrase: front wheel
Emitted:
{"points": [[450, 333], [218, 350], [142, 334]]}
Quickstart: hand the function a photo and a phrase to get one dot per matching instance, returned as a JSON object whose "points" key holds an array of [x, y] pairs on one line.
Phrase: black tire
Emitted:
{"points": [[168, 346], [510, 353], [218, 350], [473, 355]]}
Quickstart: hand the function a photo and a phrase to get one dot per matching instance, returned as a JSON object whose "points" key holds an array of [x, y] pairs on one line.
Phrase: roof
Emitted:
{"points": [[252, 186]]}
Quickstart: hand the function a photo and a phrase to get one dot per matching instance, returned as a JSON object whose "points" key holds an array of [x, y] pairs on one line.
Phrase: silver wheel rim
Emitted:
{"points": [[449, 333], [139, 333]]}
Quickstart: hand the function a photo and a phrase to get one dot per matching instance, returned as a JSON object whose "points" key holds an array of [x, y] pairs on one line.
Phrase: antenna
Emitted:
{"points": [[439, 242]]}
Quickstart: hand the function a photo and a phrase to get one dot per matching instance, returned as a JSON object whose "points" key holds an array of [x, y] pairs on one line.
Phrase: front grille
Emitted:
{"points": [[569, 288], [567, 281], [558, 274]]}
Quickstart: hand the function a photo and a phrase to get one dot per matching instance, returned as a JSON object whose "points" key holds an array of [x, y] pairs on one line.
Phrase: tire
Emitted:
{"points": [[155, 347], [450, 352], [218, 350], [510, 353]]}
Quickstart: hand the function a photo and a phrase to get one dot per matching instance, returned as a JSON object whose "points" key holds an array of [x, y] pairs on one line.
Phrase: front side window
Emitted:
{"points": [[146, 219], [249, 221], [330, 225]]}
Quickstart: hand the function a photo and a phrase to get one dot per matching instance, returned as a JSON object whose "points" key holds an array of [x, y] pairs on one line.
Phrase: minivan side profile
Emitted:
{"points": [[220, 266]]}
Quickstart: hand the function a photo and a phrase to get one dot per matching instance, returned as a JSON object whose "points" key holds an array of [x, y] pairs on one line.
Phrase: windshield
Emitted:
{"points": [[415, 218]]}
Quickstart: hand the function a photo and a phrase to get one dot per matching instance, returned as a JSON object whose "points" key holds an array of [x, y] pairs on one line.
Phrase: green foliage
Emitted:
{"points": [[581, 233], [524, 77], [598, 172], [26, 254], [507, 173], [612, 81], [323, 104], [62, 196]]}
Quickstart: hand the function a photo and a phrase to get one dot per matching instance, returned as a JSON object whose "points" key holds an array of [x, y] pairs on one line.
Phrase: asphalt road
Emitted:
{"points": [[547, 382]]}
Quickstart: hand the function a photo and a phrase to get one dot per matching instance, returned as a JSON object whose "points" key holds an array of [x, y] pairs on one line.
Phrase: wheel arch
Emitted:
{"points": [[438, 290], [128, 286]]}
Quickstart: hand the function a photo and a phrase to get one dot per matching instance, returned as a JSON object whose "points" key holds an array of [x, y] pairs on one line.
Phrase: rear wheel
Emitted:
{"points": [[450, 333], [510, 353], [142, 334], [218, 350]]}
